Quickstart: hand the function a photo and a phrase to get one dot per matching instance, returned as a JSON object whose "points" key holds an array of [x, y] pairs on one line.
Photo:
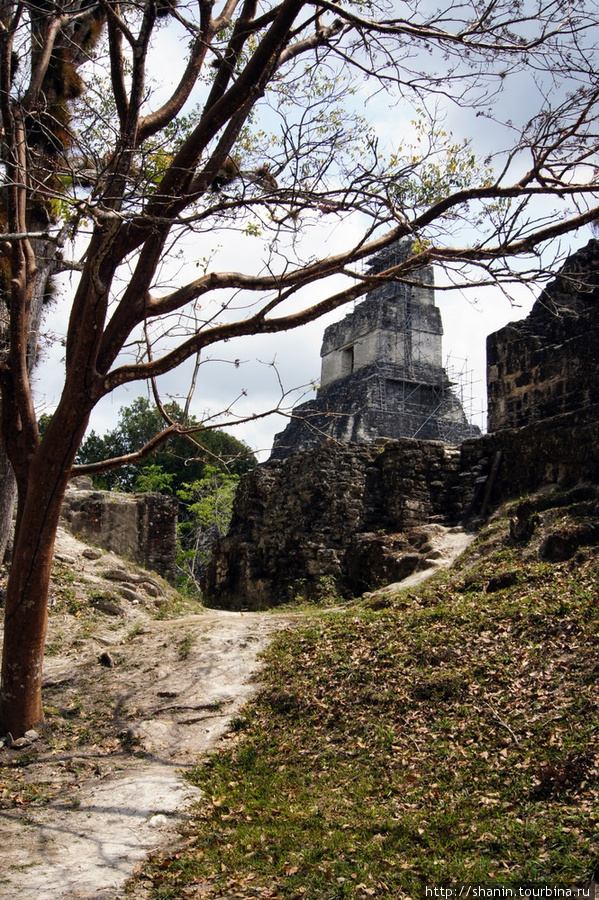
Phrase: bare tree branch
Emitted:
{"points": [[265, 134]]}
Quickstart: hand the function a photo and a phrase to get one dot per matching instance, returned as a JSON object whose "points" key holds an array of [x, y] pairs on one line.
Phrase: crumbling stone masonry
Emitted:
{"points": [[314, 516], [357, 512], [141, 527], [548, 363]]}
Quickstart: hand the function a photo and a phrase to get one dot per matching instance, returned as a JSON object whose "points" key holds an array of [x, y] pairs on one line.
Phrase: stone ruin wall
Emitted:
{"points": [[548, 363], [303, 520], [562, 451], [355, 513], [140, 527]]}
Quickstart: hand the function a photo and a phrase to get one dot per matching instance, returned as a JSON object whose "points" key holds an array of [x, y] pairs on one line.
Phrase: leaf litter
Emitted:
{"points": [[103, 785], [442, 734]]}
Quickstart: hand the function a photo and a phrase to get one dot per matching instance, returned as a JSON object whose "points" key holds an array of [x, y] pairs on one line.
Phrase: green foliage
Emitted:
{"points": [[153, 478], [174, 464], [206, 513], [210, 499]]}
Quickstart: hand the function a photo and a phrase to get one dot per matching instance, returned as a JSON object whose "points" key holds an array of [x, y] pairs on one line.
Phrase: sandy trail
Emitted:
{"points": [[171, 694], [120, 807]]}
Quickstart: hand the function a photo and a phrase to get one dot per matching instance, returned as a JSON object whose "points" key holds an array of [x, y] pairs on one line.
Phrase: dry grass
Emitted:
{"points": [[450, 736]]}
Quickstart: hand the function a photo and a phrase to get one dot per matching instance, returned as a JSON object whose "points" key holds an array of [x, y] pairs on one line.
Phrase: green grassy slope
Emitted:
{"points": [[445, 734]]}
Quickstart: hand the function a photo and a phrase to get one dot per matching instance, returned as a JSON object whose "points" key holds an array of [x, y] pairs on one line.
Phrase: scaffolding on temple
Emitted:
{"points": [[382, 371]]}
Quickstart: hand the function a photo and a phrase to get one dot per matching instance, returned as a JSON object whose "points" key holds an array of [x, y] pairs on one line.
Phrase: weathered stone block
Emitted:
{"points": [[548, 363], [142, 527]]}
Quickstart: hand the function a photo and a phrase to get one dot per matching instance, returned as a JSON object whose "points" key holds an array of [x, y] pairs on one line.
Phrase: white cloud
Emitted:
{"points": [[468, 316]]}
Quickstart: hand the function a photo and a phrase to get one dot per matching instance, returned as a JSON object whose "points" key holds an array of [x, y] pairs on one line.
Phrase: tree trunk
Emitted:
{"points": [[26, 612], [8, 492], [45, 254]]}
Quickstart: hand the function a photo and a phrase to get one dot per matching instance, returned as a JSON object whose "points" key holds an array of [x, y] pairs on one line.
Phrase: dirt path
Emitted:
{"points": [[116, 787], [132, 702], [446, 544]]}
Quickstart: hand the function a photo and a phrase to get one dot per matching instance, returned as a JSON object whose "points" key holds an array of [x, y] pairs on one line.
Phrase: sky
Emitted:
{"points": [[468, 317], [245, 375]]}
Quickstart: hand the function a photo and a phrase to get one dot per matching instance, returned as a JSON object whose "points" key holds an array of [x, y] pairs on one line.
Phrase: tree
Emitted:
{"points": [[259, 135], [208, 503], [183, 459], [48, 136]]}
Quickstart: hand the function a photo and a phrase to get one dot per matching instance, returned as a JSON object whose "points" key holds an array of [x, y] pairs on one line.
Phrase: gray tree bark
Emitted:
{"points": [[8, 493]]}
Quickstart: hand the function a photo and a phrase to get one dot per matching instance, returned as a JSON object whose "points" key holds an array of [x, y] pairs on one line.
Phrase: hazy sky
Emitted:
{"points": [[468, 316]]}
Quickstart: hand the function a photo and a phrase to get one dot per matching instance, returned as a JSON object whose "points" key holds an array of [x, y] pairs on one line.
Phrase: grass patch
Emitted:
{"points": [[449, 737], [184, 646]]}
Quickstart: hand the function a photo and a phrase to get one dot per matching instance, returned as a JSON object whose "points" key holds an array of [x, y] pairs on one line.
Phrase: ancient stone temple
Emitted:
{"points": [[382, 374], [356, 514], [548, 363]]}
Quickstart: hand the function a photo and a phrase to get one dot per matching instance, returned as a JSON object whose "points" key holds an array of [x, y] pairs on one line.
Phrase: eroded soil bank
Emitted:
{"points": [[139, 685], [131, 701]]}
